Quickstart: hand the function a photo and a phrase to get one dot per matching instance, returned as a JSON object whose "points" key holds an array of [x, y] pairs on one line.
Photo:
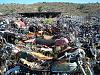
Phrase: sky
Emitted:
{"points": [[36, 1]]}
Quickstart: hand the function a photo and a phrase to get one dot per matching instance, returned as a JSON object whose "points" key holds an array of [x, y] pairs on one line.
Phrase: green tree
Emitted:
{"points": [[40, 9]]}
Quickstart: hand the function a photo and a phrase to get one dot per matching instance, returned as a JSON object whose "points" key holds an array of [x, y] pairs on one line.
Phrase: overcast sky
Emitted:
{"points": [[35, 1]]}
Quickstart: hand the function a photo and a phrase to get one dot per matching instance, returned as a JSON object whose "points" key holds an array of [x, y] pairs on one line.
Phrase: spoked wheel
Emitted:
{"points": [[23, 70], [86, 70], [17, 70]]}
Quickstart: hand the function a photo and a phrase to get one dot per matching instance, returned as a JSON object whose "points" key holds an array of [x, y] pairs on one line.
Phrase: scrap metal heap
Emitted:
{"points": [[50, 46]]}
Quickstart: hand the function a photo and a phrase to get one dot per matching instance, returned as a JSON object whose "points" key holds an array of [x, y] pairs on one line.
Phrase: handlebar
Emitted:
{"points": [[78, 53]]}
